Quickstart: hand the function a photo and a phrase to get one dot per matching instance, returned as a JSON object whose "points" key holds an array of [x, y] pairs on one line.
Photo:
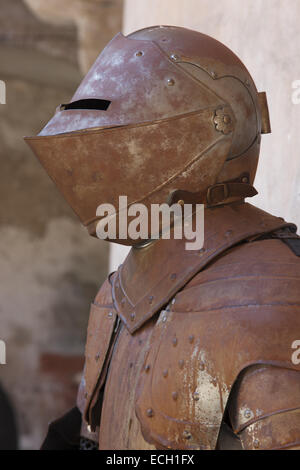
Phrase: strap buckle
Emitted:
{"points": [[218, 186]]}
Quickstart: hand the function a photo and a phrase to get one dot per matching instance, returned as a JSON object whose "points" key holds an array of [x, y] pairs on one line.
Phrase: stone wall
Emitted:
{"points": [[50, 267], [96, 21]]}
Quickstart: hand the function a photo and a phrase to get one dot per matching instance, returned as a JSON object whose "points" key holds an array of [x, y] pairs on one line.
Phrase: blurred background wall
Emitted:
{"points": [[50, 269]]}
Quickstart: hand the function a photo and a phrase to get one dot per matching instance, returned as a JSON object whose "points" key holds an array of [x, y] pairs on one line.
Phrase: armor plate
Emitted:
{"points": [[174, 363]]}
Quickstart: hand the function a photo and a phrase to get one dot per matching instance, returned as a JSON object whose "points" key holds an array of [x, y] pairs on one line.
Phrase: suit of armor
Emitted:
{"points": [[185, 349], [216, 357]]}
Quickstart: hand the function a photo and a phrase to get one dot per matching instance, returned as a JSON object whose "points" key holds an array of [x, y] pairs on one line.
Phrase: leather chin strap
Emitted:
{"points": [[217, 193], [222, 191]]}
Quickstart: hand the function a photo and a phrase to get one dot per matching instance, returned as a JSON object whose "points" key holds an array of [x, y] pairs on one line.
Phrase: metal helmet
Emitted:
{"points": [[164, 113]]}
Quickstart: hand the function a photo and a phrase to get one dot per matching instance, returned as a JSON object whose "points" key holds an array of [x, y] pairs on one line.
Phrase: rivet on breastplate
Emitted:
{"points": [[186, 434], [147, 368], [247, 414], [174, 396], [181, 363], [175, 57], [164, 318], [151, 298], [110, 314], [132, 316], [201, 366], [214, 74], [150, 413], [165, 373], [191, 338], [174, 341], [173, 276], [196, 396], [170, 82], [256, 443], [226, 119]]}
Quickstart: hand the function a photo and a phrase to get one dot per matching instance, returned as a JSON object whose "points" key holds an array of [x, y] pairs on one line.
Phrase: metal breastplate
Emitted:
{"points": [[119, 427]]}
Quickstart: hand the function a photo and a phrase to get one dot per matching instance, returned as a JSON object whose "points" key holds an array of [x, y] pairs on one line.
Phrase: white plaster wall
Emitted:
{"points": [[265, 34]]}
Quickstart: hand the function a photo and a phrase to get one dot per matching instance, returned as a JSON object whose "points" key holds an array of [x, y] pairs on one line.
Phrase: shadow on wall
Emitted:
{"points": [[8, 427]]}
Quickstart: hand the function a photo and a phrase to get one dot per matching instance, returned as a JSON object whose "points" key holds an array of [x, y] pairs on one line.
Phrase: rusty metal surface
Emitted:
{"points": [[184, 114], [260, 394], [102, 321], [119, 427], [265, 116], [137, 86], [177, 372], [92, 161], [219, 324], [134, 73], [275, 432], [180, 113], [263, 391], [149, 278]]}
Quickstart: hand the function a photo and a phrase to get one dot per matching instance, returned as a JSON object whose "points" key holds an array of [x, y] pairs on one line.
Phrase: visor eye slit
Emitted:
{"points": [[89, 104]]}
